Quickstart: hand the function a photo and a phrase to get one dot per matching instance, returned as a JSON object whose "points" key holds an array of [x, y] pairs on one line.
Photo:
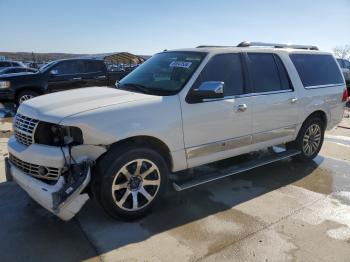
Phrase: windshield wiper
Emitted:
{"points": [[138, 87]]}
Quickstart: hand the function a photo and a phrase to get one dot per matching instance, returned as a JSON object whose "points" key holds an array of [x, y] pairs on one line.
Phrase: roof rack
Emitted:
{"points": [[249, 44], [213, 46]]}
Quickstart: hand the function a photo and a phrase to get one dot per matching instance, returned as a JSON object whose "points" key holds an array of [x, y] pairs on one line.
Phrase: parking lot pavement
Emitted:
{"points": [[284, 211]]}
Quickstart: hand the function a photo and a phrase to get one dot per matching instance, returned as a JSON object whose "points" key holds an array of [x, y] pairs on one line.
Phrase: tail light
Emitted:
{"points": [[345, 95]]}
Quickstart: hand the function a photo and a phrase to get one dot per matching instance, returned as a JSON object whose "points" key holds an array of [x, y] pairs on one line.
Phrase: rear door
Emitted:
{"points": [[275, 103], [95, 73], [217, 128]]}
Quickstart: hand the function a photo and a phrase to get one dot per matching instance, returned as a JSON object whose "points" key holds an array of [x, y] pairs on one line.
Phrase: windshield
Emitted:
{"points": [[43, 67], [163, 74]]}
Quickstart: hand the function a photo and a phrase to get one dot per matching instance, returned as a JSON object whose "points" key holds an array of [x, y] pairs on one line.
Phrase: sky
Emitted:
{"points": [[149, 26]]}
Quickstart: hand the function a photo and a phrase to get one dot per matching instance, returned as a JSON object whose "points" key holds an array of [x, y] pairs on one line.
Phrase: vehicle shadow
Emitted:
{"points": [[29, 232], [181, 208]]}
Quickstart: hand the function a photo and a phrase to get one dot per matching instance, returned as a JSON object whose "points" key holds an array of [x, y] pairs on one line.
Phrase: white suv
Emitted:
{"points": [[179, 110]]}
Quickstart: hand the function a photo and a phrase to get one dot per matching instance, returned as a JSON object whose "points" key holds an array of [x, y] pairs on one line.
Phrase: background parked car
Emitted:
{"points": [[345, 66], [58, 75], [12, 70], [6, 63]]}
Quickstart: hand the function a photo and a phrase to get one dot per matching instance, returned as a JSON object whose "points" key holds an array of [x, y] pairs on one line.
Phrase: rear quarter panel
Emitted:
{"points": [[327, 99]]}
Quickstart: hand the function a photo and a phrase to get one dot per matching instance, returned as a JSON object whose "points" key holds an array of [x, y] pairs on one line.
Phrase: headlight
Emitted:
{"points": [[5, 84], [57, 135]]}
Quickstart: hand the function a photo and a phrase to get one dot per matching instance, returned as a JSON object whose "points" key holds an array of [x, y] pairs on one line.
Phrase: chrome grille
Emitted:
{"points": [[51, 173], [24, 129]]}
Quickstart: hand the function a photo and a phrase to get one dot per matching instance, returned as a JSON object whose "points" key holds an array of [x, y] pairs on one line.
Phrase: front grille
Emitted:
{"points": [[24, 129], [50, 173]]}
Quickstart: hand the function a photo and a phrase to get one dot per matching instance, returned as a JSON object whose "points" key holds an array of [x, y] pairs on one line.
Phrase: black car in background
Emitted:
{"points": [[13, 70], [5, 63], [57, 76]]}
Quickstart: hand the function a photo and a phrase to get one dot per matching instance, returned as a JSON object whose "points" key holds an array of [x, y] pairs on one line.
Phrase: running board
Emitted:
{"points": [[208, 174]]}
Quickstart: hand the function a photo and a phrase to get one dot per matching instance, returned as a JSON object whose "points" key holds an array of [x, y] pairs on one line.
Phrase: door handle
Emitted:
{"points": [[100, 77], [294, 100], [76, 78], [242, 107]]}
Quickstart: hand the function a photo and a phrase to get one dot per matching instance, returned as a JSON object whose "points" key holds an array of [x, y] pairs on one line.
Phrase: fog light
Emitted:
{"points": [[42, 171]]}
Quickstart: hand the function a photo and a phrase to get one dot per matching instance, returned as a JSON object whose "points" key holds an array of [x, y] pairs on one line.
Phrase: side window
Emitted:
{"points": [[347, 64], [284, 77], [317, 69], [264, 72], [69, 67], [226, 68], [340, 62], [78, 67], [94, 66]]}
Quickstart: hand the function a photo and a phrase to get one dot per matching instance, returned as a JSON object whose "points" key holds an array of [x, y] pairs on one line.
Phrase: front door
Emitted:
{"points": [[216, 129], [66, 75]]}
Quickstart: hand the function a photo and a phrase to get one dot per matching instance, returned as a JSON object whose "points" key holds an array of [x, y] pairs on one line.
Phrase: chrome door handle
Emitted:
{"points": [[242, 107], [76, 78], [100, 77], [294, 100]]}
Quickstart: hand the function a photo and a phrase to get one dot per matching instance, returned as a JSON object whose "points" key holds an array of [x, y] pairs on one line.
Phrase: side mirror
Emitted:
{"points": [[54, 72], [208, 90]]}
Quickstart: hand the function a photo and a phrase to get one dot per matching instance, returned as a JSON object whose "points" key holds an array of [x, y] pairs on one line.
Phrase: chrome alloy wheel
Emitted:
{"points": [[312, 139], [25, 98], [136, 184]]}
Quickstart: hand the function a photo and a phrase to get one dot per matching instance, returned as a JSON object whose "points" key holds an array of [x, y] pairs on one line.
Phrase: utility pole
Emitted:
{"points": [[33, 57]]}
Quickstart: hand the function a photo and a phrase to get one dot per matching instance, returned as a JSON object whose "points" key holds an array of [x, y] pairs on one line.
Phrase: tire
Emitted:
{"points": [[25, 95], [121, 179], [309, 140]]}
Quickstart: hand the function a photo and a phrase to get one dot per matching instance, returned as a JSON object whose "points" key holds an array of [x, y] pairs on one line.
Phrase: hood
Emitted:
{"points": [[22, 76], [2, 76], [54, 107]]}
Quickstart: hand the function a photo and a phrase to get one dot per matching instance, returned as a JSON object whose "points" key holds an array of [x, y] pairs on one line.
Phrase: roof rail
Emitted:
{"points": [[212, 46], [305, 47]]}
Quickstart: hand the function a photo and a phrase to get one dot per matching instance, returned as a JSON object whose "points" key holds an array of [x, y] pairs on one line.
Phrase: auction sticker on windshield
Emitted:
{"points": [[180, 64]]}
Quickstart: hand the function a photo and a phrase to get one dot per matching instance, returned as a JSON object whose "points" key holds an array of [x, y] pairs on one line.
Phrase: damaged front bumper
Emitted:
{"points": [[64, 198]]}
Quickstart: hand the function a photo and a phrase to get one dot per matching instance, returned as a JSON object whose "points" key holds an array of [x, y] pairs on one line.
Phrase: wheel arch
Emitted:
{"points": [[151, 142], [37, 89], [320, 114]]}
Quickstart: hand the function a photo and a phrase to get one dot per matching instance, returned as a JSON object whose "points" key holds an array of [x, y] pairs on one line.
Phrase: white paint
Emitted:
{"points": [[109, 115]]}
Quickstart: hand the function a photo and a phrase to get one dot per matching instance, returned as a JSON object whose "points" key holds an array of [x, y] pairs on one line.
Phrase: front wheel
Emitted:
{"points": [[310, 139], [133, 183], [25, 95]]}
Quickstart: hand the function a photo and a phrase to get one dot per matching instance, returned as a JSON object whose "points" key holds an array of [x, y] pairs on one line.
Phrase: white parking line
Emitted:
{"points": [[344, 138]]}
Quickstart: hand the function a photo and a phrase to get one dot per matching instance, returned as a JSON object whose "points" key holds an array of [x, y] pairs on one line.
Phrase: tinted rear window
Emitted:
{"points": [[94, 66], [317, 70], [267, 73]]}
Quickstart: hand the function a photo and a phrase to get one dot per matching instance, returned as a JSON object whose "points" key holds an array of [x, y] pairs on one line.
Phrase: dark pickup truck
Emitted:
{"points": [[57, 76]]}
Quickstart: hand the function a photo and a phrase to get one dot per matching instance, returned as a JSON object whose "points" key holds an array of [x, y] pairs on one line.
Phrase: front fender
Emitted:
{"points": [[159, 118]]}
